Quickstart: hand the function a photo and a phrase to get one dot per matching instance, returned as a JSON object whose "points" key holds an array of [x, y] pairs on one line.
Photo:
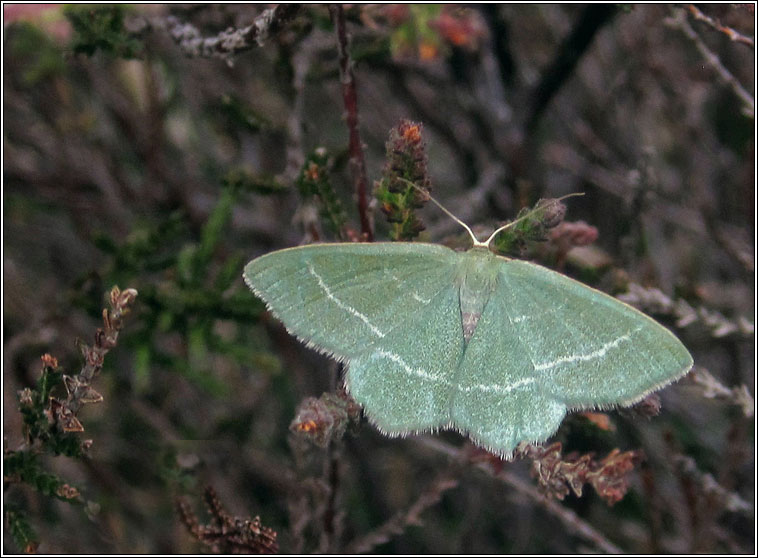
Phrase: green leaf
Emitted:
{"points": [[315, 181], [25, 466], [22, 533], [244, 180], [101, 27], [40, 57]]}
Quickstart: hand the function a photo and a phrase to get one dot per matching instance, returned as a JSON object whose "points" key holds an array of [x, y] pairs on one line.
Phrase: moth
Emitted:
{"points": [[499, 349]]}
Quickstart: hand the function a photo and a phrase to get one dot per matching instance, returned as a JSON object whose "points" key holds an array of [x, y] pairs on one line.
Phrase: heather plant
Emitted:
{"points": [[160, 148]]}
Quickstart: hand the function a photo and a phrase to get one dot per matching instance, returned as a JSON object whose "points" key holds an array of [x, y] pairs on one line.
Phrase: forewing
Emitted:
{"points": [[588, 349], [390, 309], [345, 298], [404, 381]]}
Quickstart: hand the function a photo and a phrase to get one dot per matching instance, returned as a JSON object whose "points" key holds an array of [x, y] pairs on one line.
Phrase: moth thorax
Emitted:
{"points": [[476, 285], [469, 320]]}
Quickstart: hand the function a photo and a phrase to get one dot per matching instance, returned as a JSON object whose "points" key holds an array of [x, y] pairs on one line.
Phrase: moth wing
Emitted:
{"points": [[497, 399], [588, 349], [546, 343], [405, 382], [390, 309]]}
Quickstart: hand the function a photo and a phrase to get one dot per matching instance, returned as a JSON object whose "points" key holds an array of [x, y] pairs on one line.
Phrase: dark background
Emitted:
{"points": [[128, 162]]}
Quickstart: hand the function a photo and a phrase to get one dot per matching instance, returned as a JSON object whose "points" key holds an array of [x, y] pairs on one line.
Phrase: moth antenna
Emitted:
{"points": [[529, 214], [475, 240], [447, 212]]}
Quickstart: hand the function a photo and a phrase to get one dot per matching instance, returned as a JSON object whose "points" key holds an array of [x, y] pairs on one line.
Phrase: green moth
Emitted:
{"points": [[496, 348]]}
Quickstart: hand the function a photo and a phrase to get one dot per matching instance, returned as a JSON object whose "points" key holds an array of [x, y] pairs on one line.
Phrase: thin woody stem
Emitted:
{"points": [[679, 21], [350, 98], [733, 35], [229, 42]]}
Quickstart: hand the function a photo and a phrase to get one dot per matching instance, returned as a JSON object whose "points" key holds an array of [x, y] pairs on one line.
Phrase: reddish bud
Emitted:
{"points": [[49, 361]]}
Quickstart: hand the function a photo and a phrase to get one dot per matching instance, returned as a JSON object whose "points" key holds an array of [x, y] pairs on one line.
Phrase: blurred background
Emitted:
{"points": [[143, 150]]}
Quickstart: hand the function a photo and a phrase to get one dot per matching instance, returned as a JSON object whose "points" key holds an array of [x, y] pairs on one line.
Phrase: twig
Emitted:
{"points": [[302, 60], [350, 98], [299, 512], [332, 516], [733, 35], [679, 21], [730, 240], [568, 54], [225, 533], [713, 389], [656, 302], [735, 248], [79, 387], [403, 519], [572, 521], [231, 41], [729, 500]]}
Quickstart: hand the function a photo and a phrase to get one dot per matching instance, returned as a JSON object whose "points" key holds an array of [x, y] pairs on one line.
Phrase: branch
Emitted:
{"points": [[79, 387], [302, 59], [730, 501], [403, 519], [571, 520], [225, 533], [733, 35], [47, 418], [568, 517], [679, 21], [654, 301], [729, 239], [231, 41], [713, 389], [350, 98], [331, 519], [568, 55]]}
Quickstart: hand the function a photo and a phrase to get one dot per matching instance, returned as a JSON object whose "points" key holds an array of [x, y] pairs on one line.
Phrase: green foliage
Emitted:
{"points": [[51, 378], [25, 466], [35, 407], [101, 27], [198, 293], [242, 115], [195, 258], [314, 182], [244, 180], [67, 444], [39, 56], [50, 422], [35, 422], [21, 531], [194, 289]]}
